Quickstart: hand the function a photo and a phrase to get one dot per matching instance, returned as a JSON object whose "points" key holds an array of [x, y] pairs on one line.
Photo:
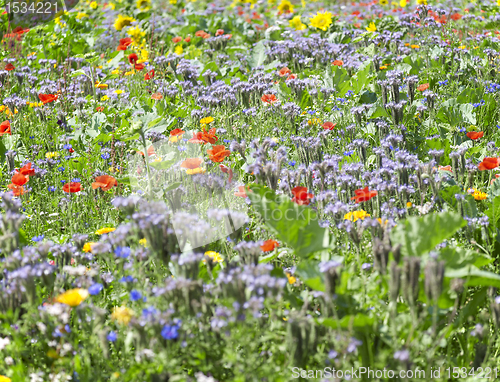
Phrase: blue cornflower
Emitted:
{"points": [[95, 289], [51, 188], [61, 169], [292, 163], [63, 181], [122, 252], [169, 332], [67, 146], [76, 180], [127, 279], [348, 153], [38, 238], [135, 295], [112, 336], [105, 156]]}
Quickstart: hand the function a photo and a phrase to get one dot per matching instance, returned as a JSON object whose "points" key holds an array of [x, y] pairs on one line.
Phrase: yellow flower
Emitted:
{"points": [[173, 2], [116, 71], [206, 120], [5, 379], [380, 221], [422, 2], [93, 5], [88, 247], [143, 5], [314, 121], [197, 170], [291, 279], [383, 67], [132, 72], [73, 297], [415, 46], [123, 21], [285, 7], [409, 204], [144, 55], [462, 47], [403, 3], [143, 242], [104, 98], [112, 5], [478, 195], [371, 27], [321, 20], [122, 314], [115, 374], [383, 2], [118, 91], [137, 35], [178, 50], [104, 230], [215, 256], [297, 24], [52, 154], [355, 215], [101, 85]]}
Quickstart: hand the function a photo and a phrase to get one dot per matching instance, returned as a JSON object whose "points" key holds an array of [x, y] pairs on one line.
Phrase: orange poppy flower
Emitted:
{"points": [[218, 153], [27, 170], [202, 34], [47, 98], [269, 245], [209, 137], [329, 125], [363, 195], [301, 196], [99, 108], [176, 132], [149, 75], [422, 87], [269, 98], [191, 163], [291, 77], [475, 135], [187, 39], [157, 96], [197, 138], [139, 66], [132, 58], [9, 67], [124, 43], [338, 63], [151, 151], [242, 191], [227, 170], [489, 163], [445, 168], [19, 179], [177, 39], [72, 187], [104, 182], [17, 190], [284, 71], [5, 128]]}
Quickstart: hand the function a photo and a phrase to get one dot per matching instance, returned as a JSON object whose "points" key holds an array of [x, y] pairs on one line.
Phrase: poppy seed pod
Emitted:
{"points": [[381, 251], [411, 273], [395, 281], [433, 281]]}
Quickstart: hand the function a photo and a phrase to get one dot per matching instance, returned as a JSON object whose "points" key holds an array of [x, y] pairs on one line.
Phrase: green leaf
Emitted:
{"points": [[474, 276], [258, 56], [79, 72], [419, 235], [360, 322], [308, 271], [297, 226]]}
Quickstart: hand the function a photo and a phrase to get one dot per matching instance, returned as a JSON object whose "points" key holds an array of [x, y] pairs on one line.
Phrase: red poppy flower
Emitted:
{"points": [[156, 96], [445, 168], [338, 63], [99, 108], [47, 98], [5, 128], [422, 87], [197, 138], [72, 187], [132, 58], [139, 66], [209, 137], [202, 34], [489, 163], [242, 191], [329, 125], [149, 75], [456, 16], [19, 179], [9, 67], [269, 245], [121, 47], [269, 98], [104, 182], [177, 39], [291, 77], [191, 163], [219, 32], [475, 135], [227, 170], [187, 39], [176, 132], [151, 151], [284, 71], [301, 196], [126, 41], [218, 153], [363, 195], [27, 170], [17, 190]]}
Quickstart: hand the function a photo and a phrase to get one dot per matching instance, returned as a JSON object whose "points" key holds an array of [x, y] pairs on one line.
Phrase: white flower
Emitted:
{"points": [[9, 361], [200, 377], [4, 342], [36, 377]]}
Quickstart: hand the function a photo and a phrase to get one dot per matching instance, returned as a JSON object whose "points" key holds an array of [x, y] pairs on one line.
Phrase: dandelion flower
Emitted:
{"points": [[73, 297]]}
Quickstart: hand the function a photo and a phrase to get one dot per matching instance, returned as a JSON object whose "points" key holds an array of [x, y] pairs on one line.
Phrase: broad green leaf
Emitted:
{"points": [[419, 235], [474, 276], [258, 56]]}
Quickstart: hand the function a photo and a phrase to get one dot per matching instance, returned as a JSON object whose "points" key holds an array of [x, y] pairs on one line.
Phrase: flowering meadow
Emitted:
{"points": [[257, 190]]}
